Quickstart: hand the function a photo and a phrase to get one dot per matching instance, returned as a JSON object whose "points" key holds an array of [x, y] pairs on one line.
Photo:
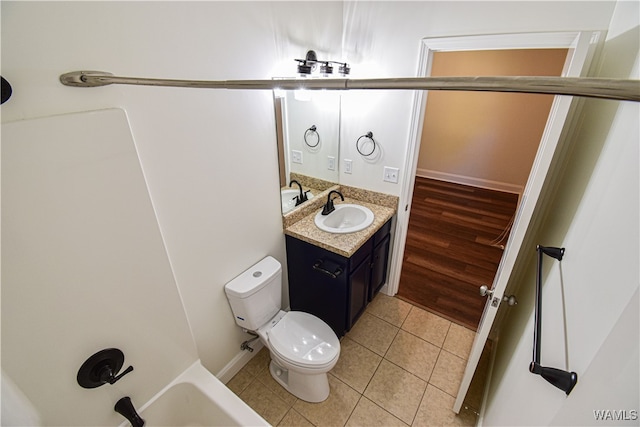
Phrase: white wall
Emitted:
{"points": [[594, 215], [84, 268], [382, 39], [209, 156]]}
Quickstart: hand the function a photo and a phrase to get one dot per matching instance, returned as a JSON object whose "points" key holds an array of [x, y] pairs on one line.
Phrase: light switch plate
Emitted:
{"points": [[348, 165], [296, 156], [331, 163], [391, 174]]}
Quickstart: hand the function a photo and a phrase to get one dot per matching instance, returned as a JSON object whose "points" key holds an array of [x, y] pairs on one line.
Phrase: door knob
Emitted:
{"points": [[485, 291], [510, 300]]}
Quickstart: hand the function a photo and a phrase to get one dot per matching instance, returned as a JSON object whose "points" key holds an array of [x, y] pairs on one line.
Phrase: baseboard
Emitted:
{"points": [[238, 362], [468, 180]]}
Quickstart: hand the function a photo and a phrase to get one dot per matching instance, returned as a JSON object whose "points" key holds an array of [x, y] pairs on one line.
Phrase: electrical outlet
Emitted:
{"points": [[391, 174], [331, 164], [347, 165], [296, 156]]}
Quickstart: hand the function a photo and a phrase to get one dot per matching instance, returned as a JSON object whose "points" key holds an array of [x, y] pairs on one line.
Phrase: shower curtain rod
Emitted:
{"points": [[616, 89]]}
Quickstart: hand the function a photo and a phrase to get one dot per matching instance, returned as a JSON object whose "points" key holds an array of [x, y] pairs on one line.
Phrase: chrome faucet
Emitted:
{"points": [[328, 208], [125, 408], [303, 196]]}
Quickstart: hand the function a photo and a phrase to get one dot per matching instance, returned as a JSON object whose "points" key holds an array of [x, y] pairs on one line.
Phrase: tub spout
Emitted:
{"points": [[125, 407]]}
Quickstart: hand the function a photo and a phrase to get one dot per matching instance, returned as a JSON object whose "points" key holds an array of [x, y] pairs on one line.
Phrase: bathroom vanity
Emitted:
{"points": [[335, 276]]}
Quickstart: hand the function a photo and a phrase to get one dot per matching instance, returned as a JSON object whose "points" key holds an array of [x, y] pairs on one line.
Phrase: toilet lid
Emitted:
{"points": [[304, 339]]}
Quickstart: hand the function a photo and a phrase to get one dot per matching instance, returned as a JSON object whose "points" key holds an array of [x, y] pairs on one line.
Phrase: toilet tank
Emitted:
{"points": [[256, 295]]}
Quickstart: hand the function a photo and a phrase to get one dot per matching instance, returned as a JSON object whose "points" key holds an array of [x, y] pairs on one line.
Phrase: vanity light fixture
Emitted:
{"points": [[310, 63]]}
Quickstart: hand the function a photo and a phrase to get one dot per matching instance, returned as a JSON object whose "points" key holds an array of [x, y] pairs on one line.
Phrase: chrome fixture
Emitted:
{"points": [[245, 345], [485, 291], [310, 63], [510, 300], [616, 89]]}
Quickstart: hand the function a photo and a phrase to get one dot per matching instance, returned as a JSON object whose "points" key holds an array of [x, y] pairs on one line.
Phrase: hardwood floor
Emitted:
{"points": [[453, 247]]}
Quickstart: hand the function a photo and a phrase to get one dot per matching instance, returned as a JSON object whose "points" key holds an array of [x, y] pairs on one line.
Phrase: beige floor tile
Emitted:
{"points": [[265, 378], [459, 341], [356, 364], [259, 362], [240, 381], [413, 354], [373, 333], [448, 372], [294, 419], [396, 390], [265, 402], [427, 326], [334, 411], [436, 409], [391, 309], [368, 414]]}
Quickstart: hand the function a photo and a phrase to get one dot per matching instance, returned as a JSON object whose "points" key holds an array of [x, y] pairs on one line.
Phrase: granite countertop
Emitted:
{"points": [[383, 207]]}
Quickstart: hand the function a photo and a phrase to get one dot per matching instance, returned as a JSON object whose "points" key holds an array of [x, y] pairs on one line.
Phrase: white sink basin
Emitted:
{"points": [[346, 218], [288, 198]]}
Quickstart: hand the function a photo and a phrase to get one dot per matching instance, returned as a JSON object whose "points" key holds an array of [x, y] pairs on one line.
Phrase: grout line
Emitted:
{"points": [[354, 408], [375, 371]]}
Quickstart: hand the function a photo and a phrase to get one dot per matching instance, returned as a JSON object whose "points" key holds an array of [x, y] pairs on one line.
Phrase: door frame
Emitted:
{"points": [[581, 46]]}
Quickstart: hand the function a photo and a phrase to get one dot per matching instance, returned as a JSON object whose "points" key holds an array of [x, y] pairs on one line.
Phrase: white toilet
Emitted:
{"points": [[303, 348]]}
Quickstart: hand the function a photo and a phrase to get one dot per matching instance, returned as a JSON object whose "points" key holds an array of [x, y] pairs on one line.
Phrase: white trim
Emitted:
{"points": [[238, 362], [470, 180], [503, 41], [578, 58]]}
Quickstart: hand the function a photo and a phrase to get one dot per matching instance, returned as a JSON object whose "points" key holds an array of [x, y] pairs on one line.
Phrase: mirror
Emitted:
{"points": [[308, 133]]}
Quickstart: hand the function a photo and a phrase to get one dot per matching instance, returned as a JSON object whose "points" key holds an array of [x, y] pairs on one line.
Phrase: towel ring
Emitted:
{"points": [[310, 131], [368, 135]]}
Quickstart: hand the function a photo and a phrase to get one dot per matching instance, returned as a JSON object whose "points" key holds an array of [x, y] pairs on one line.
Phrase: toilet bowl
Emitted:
{"points": [[303, 348]]}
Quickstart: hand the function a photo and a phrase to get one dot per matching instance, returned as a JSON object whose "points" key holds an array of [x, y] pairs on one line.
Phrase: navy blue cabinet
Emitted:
{"points": [[335, 288]]}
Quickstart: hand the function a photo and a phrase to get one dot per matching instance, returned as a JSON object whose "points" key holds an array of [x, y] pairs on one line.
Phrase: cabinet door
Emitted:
{"points": [[379, 266], [314, 286], [358, 291]]}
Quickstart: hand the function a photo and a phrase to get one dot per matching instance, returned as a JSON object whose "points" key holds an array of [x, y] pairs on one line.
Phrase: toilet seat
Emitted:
{"points": [[304, 340]]}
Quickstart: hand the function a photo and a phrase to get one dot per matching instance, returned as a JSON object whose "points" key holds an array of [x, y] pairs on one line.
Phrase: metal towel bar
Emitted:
{"points": [[563, 380]]}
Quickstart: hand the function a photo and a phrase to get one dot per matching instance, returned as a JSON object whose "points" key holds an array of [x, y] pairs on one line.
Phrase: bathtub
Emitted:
{"points": [[197, 398]]}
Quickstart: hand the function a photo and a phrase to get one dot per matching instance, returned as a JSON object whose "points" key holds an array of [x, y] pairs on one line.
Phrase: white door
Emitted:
{"points": [[581, 47]]}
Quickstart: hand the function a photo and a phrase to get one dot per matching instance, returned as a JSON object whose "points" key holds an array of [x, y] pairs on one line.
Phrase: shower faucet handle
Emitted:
{"points": [[102, 368], [112, 379]]}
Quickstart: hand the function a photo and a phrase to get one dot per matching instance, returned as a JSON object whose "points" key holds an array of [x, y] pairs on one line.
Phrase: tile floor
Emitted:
{"points": [[399, 366]]}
